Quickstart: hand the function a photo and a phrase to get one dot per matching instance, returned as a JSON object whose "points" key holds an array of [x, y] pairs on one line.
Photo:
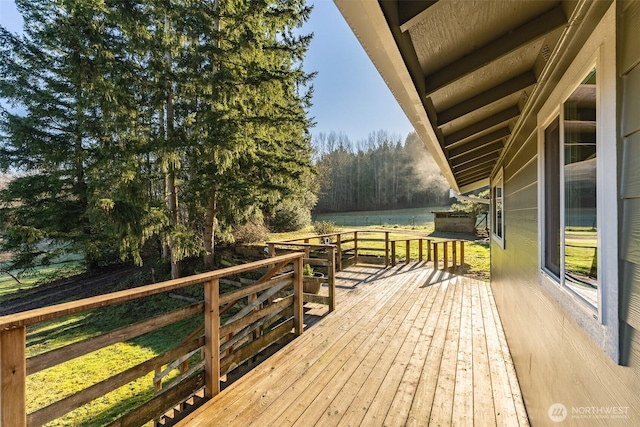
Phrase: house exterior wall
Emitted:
{"points": [[555, 359]]}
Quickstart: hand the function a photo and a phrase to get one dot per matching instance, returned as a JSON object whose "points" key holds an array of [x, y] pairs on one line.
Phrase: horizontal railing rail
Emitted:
{"points": [[236, 326], [352, 245]]}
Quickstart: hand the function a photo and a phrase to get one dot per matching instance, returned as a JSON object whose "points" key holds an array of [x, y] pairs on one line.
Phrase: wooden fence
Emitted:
{"points": [[264, 312], [351, 247]]}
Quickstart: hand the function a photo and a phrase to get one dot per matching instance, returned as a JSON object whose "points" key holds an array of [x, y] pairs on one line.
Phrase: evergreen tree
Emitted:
{"points": [[55, 72]]}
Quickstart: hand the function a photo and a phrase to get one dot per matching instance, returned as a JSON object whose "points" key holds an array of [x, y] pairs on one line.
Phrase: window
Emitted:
{"points": [[571, 211], [497, 209], [578, 188]]}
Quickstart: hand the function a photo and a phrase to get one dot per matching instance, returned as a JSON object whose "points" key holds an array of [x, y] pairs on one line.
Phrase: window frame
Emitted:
{"points": [[497, 182], [601, 323]]}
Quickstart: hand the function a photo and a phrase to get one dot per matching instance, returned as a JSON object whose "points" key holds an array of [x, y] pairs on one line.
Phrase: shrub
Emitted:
{"points": [[324, 227], [250, 232], [289, 216]]}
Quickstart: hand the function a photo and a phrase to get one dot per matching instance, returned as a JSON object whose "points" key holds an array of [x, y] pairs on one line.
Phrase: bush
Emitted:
{"points": [[289, 216], [324, 227], [250, 232]]}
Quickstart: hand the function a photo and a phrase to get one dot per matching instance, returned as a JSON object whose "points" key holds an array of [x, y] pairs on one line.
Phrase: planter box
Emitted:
{"points": [[312, 284]]}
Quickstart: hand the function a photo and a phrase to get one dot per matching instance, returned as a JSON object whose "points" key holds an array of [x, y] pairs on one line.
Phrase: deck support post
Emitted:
{"points": [[386, 249], [298, 303], [332, 280], [408, 252], [445, 256], [212, 337], [453, 255], [355, 247], [393, 253], [339, 248], [435, 255], [13, 376]]}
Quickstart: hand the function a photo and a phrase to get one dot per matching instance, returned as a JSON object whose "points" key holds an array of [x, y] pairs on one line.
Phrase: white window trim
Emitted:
{"points": [[600, 324], [497, 179]]}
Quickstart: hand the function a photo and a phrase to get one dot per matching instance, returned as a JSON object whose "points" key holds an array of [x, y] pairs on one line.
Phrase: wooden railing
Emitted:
{"points": [[350, 247], [322, 258], [265, 312]]}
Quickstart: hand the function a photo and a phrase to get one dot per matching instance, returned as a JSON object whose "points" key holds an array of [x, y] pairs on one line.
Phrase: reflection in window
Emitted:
{"points": [[570, 194], [497, 219], [580, 214]]}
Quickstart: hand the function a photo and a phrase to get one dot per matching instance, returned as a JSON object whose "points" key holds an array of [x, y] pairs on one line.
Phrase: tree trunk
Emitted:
{"points": [[209, 230]]}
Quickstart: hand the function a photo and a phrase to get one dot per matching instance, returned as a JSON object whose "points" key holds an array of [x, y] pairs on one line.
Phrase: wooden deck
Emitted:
{"points": [[406, 346]]}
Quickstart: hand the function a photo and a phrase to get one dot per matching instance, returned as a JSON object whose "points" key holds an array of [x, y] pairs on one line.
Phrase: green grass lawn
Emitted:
{"points": [[417, 217]]}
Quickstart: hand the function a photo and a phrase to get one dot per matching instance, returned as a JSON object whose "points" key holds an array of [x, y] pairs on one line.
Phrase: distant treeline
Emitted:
{"points": [[381, 172]]}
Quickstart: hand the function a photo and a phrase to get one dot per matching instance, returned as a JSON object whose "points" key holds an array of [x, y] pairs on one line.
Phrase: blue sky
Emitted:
{"points": [[349, 94]]}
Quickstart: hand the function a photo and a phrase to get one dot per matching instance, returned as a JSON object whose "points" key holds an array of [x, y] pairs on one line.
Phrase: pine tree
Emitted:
{"points": [[54, 72]]}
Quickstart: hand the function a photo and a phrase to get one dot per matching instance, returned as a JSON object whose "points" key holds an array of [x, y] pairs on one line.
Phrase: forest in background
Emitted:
{"points": [[382, 172]]}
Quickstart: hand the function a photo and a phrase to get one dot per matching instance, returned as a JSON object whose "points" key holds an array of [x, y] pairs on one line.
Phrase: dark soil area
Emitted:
{"points": [[77, 287]]}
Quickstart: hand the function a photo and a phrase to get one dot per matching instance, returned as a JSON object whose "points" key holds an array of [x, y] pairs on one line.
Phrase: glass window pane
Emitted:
{"points": [[552, 198], [580, 210]]}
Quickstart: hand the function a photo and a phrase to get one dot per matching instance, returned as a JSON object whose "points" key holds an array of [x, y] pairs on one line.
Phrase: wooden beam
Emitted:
{"points": [[476, 154], [498, 118], [477, 163], [494, 94], [521, 36], [480, 177], [478, 142], [212, 337], [13, 374], [472, 175], [411, 12]]}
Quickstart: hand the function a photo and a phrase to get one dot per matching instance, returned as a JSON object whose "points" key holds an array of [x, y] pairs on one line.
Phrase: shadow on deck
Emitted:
{"points": [[406, 346]]}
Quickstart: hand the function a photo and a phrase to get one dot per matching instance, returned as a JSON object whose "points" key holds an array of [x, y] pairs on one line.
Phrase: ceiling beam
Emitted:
{"points": [[474, 174], [498, 118], [479, 142], [489, 148], [523, 35], [494, 94], [477, 180], [470, 164], [412, 12]]}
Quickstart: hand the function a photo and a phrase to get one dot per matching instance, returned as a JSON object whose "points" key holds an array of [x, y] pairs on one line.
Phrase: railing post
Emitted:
{"points": [[298, 315], [306, 249], [420, 257], [386, 249], [393, 253], [408, 251], [212, 337], [13, 376], [461, 253], [339, 247], [355, 247], [435, 255], [272, 249], [331, 270], [445, 256], [453, 255]]}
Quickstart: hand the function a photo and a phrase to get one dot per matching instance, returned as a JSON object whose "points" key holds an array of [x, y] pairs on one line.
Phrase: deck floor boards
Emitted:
{"points": [[406, 346]]}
